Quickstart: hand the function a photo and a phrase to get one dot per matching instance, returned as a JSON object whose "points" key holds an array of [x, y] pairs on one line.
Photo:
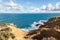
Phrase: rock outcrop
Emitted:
{"points": [[49, 31], [9, 31]]}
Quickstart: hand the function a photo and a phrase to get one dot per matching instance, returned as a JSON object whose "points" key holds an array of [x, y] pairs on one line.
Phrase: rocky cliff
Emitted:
{"points": [[49, 31]]}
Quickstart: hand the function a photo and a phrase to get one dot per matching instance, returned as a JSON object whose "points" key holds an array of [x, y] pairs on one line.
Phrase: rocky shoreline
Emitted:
{"points": [[49, 31]]}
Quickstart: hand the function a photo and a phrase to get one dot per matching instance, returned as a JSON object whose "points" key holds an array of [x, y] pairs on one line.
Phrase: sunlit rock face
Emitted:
{"points": [[49, 31]]}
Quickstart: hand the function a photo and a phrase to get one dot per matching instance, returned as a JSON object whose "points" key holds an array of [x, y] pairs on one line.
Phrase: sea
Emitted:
{"points": [[25, 21]]}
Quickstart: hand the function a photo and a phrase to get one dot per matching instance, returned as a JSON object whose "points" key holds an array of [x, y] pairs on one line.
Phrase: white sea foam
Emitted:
{"points": [[33, 25]]}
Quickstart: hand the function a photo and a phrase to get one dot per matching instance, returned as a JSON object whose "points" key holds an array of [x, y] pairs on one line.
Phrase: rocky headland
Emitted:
{"points": [[49, 31]]}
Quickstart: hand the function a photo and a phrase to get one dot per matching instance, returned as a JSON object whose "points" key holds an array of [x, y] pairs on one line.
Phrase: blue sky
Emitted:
{"points": [[39, 3], [36, 3], [29, 6]]}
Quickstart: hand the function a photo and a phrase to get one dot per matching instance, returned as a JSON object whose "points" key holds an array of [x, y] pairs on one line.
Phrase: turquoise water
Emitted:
{"points": [[25, 20]]}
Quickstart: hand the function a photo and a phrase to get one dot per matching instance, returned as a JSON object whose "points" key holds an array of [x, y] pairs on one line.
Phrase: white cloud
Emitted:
{"points": [[2, 8], [11, 3], [44, 7], [50, 7], [34, 9], [13, 7], [58, 5]]}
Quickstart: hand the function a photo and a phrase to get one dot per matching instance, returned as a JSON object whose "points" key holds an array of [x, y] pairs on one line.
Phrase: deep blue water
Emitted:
{"points": [[25, 20]]}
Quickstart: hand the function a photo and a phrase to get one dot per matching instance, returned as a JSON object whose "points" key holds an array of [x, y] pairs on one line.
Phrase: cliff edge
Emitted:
{"points": [[9, 31], [49, 31]]}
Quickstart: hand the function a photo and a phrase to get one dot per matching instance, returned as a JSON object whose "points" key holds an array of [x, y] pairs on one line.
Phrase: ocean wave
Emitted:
{"points": [[33, 25]]}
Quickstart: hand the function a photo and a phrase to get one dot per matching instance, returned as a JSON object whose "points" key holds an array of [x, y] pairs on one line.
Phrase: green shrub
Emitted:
{"points": [[3, 24]]}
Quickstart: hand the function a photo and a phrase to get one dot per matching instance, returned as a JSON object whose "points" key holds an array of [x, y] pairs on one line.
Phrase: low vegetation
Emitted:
{"points": [[5, 32]]}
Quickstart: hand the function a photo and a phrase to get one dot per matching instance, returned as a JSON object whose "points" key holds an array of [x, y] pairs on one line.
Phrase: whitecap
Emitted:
{"points": [[33, 25]]}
